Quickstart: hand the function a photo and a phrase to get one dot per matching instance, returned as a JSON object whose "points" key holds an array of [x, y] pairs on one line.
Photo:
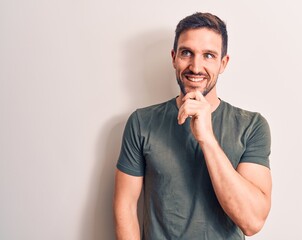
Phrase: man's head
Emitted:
{"points": [[203, 20], [200, 53]]}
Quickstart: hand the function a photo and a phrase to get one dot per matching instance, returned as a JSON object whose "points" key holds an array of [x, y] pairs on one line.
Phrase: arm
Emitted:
{"points": [[127, 192], [244, 193]]}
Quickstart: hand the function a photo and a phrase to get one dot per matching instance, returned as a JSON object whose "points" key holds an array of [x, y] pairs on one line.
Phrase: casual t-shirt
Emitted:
{"points": [[179, 200]]}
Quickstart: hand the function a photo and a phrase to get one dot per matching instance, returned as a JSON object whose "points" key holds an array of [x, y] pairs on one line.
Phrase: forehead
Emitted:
{"points": [[200, 39]]}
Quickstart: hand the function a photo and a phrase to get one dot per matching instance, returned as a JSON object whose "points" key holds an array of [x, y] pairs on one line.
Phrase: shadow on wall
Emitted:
{"points": [[150, 75], [104, 217], [149, 79]]}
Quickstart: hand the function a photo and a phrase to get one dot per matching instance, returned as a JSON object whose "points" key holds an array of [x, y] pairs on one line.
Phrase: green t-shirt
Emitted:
{"points": [[179, 200]]}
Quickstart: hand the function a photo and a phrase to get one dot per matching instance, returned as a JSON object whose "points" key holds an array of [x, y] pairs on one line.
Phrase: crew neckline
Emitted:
{"points": [[214, 113]]}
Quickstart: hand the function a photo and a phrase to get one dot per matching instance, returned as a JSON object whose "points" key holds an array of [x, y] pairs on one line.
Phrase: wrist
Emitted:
{"points": [[208, 141]]}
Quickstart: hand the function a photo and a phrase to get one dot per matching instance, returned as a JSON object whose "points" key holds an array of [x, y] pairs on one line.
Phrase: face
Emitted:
{"points": [[197, 61]]}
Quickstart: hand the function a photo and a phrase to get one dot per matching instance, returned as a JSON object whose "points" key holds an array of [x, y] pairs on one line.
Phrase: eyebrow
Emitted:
{"points": [[184, 48]]}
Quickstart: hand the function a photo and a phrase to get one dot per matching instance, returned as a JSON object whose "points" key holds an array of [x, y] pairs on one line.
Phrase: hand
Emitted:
{"points": [[197, 107]]}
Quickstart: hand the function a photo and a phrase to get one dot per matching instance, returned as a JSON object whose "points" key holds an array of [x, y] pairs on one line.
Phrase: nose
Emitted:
{"points": [[196, 64]]}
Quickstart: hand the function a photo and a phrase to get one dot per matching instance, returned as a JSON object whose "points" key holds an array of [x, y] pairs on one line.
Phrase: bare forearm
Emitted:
{"points": [[245, 203], [126, 224]]}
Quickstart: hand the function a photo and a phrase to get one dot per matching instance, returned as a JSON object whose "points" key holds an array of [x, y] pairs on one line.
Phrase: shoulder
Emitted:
{"points": [[249, 124], [157, 111], [151, 115], [243, 116], [156, 108]]}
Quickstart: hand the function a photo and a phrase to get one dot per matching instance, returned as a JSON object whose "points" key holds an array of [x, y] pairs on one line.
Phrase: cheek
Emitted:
{"points": [[181, 66], [214, 70]]}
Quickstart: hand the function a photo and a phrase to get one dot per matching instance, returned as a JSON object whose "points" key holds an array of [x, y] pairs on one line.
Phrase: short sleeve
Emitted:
{"points": [[131, 160], [258, 142]]}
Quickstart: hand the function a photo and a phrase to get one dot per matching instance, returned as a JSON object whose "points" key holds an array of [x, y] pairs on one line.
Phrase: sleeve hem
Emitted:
{"points": [[264, 162], [129, 171]]}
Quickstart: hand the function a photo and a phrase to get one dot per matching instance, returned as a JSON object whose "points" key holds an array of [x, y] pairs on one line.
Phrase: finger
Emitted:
{"points": [[182, 118], [182, 115], [188, 109], [196, 95]]}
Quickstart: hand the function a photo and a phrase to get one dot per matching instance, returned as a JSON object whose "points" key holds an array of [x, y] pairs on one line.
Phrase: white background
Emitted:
{"points": [[71, 72]]}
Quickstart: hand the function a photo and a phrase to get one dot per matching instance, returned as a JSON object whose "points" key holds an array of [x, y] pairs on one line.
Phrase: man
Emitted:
{"points": [[203, 164]]}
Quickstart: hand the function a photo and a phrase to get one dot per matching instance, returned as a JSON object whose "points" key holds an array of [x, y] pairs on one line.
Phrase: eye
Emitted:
{"points": [[209, 55], [186, 53]]}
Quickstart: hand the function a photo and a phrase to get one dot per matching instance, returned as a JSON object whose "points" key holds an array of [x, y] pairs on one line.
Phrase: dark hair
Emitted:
{"points": [[203, 20]]}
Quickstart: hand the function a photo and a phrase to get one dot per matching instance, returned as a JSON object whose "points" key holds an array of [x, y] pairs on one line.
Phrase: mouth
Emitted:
{"points": [[195, 78]]}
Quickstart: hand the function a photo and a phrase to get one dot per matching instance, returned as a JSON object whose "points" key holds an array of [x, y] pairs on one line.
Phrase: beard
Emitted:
{"points": [[207, 89]]}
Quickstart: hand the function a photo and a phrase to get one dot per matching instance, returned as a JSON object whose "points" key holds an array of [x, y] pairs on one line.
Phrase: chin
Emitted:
{"points": [[190, 89]]}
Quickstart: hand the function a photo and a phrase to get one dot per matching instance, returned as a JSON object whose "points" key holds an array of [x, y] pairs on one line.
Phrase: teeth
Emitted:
{"points": [[195, 79]]}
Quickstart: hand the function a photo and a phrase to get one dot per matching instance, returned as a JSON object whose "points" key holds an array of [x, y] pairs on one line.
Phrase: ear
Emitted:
{"points": [[173, 55], [224, 63]]}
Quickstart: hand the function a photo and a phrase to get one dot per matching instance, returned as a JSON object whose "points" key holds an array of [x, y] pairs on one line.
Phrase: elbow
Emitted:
{"points": [[254, 223], [252, 227]]}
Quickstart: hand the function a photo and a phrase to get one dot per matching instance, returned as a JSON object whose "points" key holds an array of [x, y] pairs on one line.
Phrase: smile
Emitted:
{"points": [[195, 79]]}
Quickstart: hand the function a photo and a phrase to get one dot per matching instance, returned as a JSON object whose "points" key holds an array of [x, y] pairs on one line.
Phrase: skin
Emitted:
{"points": [[192, 63], [127, 192], [244, 193]]}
